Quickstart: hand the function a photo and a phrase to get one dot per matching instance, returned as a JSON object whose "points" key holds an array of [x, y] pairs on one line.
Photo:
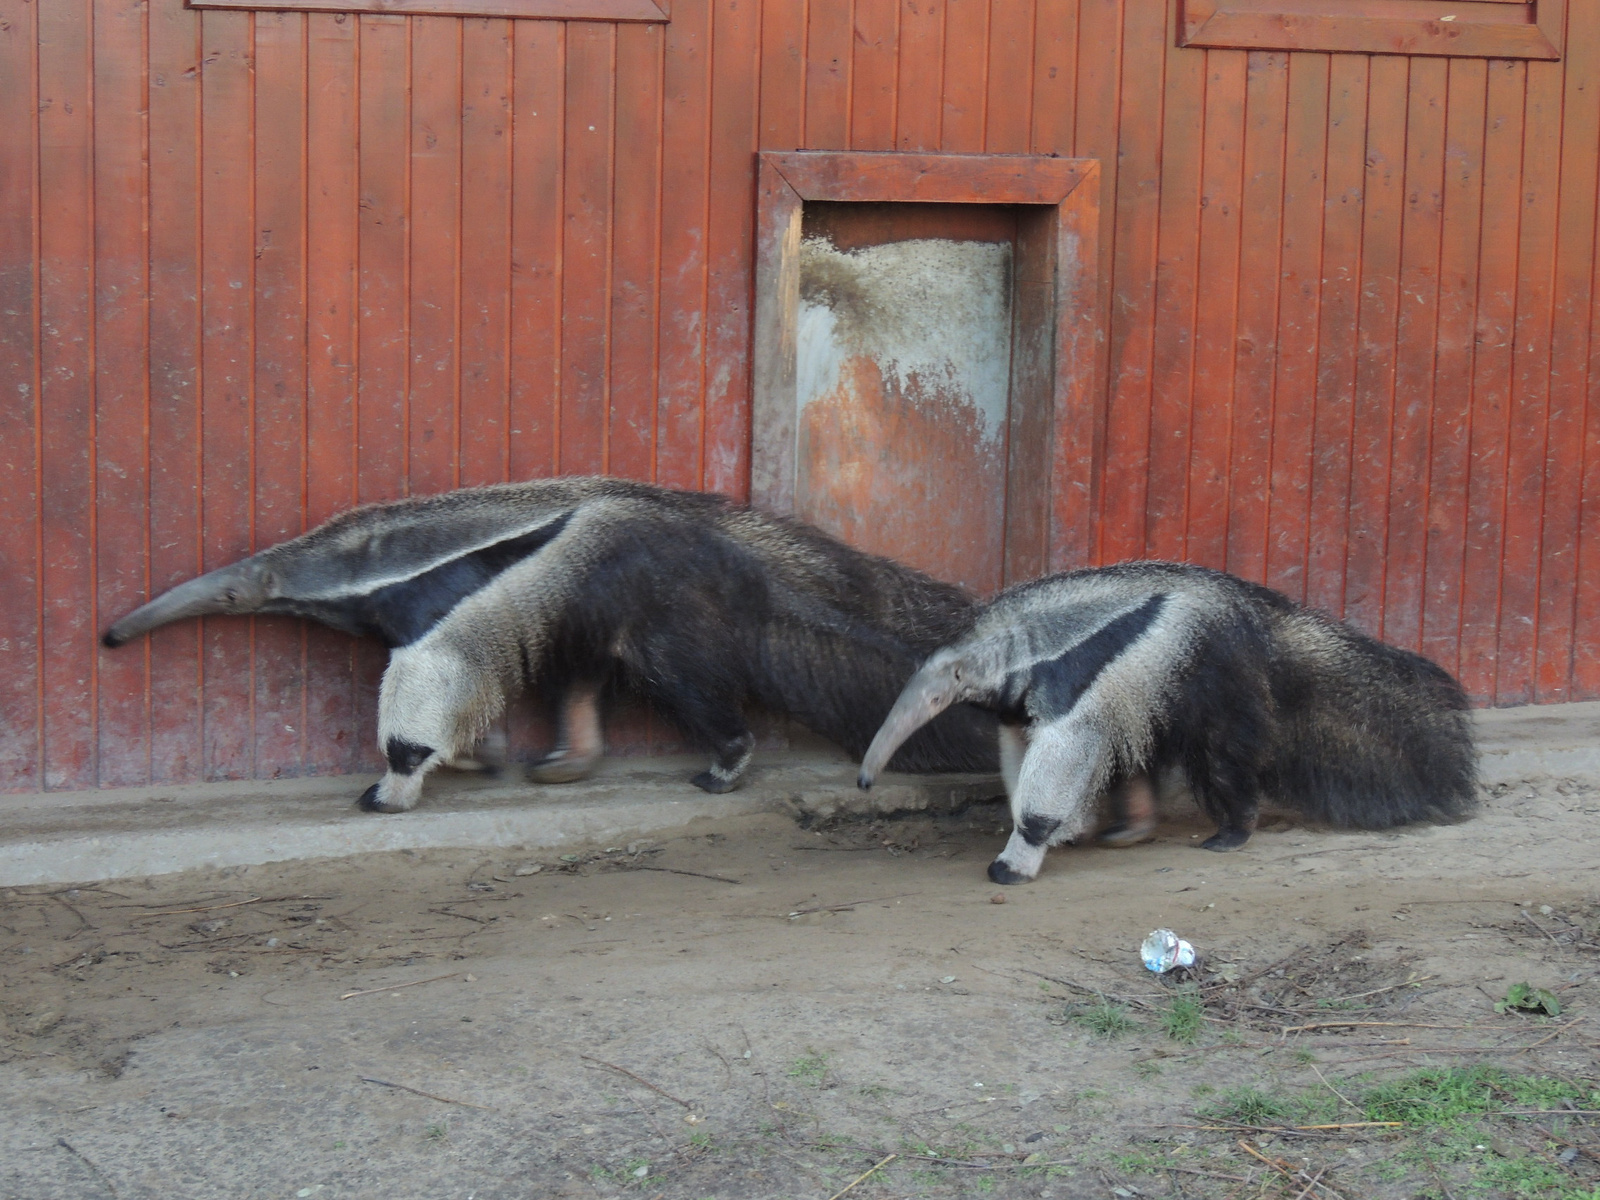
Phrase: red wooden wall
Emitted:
{"points": [[255, 268]]}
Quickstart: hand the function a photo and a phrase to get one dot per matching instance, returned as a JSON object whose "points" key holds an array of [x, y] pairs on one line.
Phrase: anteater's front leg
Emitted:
{"points": [[579, 743]]}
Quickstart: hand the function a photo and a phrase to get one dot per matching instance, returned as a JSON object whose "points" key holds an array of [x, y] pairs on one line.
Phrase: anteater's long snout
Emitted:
{"points": [[929, 693], [230, 589]]}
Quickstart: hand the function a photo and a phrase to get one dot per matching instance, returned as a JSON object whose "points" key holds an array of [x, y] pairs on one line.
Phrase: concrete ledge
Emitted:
{"points": [[1541, 741], [69, 837], [74, 837]]}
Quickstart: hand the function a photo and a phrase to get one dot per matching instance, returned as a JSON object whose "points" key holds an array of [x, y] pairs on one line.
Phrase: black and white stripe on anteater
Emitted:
{"points": [[1106, 679], [699, 605]]}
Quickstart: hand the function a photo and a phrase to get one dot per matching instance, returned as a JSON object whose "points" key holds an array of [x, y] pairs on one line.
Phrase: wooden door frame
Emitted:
{"points": [[1059, 534]]}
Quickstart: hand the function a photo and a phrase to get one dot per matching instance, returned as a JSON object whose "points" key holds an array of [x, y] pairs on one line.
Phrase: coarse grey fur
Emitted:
{"points": [[698, 604], [1108, 679]]}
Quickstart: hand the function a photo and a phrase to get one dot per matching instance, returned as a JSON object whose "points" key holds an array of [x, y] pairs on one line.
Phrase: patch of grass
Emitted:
{"points": [[1521, 1177], [1184, 1019], [1303, 1057], [1451, 1095], [1542, 1091], [1146, 1068], [811, 1068], [1104, 1019], [436, 1133], [1247, 1106]]}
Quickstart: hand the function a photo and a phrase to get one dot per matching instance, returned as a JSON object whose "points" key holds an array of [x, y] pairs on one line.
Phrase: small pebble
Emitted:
{"points": [[1568, 1156], [528, 869], [998, 898], [948, 979], [1545, 910]]}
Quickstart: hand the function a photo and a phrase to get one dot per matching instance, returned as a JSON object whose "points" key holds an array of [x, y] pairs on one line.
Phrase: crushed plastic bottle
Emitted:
{"points": [[1164, 950]]}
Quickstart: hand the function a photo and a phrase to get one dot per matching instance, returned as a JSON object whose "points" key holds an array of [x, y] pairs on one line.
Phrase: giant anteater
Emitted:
{"points": [[698, 604], [1107, 678]]}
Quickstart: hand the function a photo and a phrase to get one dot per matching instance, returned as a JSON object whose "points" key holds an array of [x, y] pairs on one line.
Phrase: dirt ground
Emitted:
{"points": [[755, 1010]]}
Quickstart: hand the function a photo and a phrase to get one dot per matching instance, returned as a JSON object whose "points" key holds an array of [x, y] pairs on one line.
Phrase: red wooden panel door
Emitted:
{"points": [[903, 374]]}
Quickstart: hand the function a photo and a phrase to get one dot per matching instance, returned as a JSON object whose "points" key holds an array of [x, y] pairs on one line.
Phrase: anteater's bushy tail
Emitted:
{"points": [[1372, 735]]}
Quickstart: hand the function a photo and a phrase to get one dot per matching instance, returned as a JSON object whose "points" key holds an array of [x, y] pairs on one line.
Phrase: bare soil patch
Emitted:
{"points": [[754, 1009]]}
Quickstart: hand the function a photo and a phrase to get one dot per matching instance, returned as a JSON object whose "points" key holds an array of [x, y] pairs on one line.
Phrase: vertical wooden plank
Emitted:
{"points": [[680, 386], [66, 258], [1079, 435], [1415, 343], [873, 70], [20, 717], [333, 740], [586, 255], [280, 370], [538, 66], [433, 278], [1172, 375], [121, 371], [382, 435], [1491, 381], [1261, 267], [1374, 400], [1569, 376], [1205, 535], [1008, 108], [1104, 129], [966, 75], [730, 236], [1299, 309], [636, 255], [829, 26], [1055, 79], [227, 136], [1523, 558], [383, 334], [485, 251], [175, 462], [1343, 202], [919, 103], [783, 74], [1586, 606], [1132, 162], [1450, 439]]}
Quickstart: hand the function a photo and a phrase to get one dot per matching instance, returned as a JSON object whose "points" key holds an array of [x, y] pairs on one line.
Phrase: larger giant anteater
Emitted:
{"points": [[700, 605], [1104, 679]]}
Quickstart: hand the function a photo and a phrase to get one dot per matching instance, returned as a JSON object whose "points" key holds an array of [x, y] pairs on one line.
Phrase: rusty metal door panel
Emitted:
{"points": [[903, 364]]}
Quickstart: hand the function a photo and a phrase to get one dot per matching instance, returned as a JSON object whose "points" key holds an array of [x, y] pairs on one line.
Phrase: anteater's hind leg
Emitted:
{"points": [[690, 682], [731, 757], [1133, 809], [579, 744], [1062, 772], [1228, 787]]}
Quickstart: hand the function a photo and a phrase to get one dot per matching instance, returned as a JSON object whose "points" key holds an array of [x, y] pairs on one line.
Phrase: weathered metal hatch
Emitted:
{"points": [[924, 349]]}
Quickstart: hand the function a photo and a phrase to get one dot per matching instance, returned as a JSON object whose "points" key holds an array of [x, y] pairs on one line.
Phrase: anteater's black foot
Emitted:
{"points": [[999, 872], [1226, 839], [716, 784]]}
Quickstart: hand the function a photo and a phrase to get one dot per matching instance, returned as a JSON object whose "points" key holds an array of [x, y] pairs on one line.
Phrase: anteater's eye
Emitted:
{"points": [[230, 595]]}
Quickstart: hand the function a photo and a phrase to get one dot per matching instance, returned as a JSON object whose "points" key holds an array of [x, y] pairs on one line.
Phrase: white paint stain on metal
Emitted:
{"points": [[933, 314]]}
